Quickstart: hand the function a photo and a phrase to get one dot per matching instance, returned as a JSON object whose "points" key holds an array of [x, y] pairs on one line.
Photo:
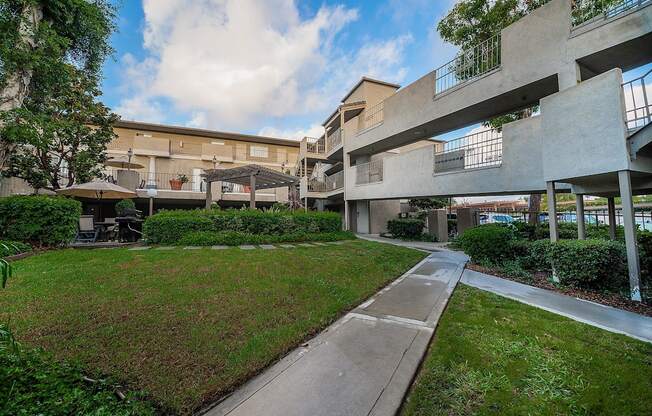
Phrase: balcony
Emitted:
{"points": [[638, 102], [585, 12], [479, 150], [334, 140], [329, 184], [171, 182], [370, 172], [316, 146], [373, 116]]}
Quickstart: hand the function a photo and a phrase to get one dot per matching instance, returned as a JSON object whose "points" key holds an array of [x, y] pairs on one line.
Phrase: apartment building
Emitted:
{"points": [[320, 162]]}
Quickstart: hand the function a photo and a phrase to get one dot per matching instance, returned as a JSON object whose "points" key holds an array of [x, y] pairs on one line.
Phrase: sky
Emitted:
{"points": [[270, 67]]}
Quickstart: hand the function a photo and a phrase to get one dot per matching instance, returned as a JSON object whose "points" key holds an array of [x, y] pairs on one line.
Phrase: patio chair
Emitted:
{"points": [[87, 232], [111, 230]]}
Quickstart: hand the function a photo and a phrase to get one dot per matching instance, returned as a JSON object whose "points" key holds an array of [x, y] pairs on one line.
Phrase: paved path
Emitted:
{"points": [[421, 245], [605, 317], [364, 363]]}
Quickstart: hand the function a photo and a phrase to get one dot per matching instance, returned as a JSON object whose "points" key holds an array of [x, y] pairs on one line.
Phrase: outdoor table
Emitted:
{"points": [[103, 226], [127, 228]]}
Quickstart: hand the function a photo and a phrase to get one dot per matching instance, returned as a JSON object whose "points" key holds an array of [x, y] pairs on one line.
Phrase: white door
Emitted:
{"points": [[196, 180]]}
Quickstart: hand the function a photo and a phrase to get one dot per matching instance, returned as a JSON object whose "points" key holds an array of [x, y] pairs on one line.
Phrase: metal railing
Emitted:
{"points": [[638, 101], [468, 64], [314, 145], [479, 150], [171, 181], [370, 172], [334, 140], [374, 115], [330, 183], [236, 188], [584, 12]]}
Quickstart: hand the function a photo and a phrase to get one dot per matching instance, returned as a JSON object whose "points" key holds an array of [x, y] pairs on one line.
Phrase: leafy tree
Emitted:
{"points": [[428, 203], [471, 22], [51, 54]]}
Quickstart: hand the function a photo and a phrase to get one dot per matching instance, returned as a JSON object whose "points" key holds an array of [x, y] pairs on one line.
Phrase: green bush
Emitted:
{"points": [[124, 205], [170, 227], [39, 220], [589, 263], [406, 227], [488, 244], [645, 254], [537, 256], [11, 248], [236, 238]]}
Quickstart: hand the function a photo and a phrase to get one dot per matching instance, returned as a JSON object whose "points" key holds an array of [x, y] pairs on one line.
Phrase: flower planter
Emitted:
{"points": [[175, 184]]}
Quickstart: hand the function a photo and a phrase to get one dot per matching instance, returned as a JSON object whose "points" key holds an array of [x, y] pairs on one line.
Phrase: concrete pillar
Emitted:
{"points": [[552, 211], [347, 209], [581, 226], [151, 206], [611, 209], [625, 184], [438, 224], [252, 192], [209, 194], [570, 76], [151, 175], [466, 218]]}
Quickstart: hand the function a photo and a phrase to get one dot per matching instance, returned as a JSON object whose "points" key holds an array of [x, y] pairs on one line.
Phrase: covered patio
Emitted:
{"points": [[254, 176]]}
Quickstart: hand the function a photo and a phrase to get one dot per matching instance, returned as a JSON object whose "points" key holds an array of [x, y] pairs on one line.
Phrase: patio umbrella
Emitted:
{"points": [[97, 190], [123, 162]]}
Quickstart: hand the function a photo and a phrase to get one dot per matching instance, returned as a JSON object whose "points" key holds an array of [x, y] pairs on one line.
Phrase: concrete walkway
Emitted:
{"points": [[364, 363], [605, 317], [421, 245]]}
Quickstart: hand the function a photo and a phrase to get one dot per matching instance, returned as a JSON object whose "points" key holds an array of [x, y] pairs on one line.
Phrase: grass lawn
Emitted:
{"points": [[187, 326], [495, 356]]}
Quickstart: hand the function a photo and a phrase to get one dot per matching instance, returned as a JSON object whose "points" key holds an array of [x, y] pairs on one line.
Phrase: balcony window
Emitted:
{"points": [[258, 151]]}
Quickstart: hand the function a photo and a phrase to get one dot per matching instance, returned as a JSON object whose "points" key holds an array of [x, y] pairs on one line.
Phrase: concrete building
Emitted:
{"points": [[591, 136]]}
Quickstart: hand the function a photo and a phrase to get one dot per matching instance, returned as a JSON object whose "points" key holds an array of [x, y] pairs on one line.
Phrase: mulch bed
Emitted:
{"points": [[542, 280]]}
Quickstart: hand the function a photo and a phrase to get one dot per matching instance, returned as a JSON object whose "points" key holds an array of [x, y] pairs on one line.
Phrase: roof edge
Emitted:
{"points": [[372, 80]]}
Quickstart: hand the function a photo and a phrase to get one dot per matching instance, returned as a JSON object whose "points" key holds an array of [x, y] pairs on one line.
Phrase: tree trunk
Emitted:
{"points": [[16, 89], [534, 208]]}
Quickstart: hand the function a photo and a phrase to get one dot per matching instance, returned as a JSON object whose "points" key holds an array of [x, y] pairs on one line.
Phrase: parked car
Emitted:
{"points": [[493, 218], [572, 217]]}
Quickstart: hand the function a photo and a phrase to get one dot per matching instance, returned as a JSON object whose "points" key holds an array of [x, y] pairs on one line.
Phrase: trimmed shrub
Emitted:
{"points": [[589, 263], [236, 238], [537, 256], [39, 220], [488, 244], [170, 227], [645, 253], [11, 248], [406, 227], [124, 205]]}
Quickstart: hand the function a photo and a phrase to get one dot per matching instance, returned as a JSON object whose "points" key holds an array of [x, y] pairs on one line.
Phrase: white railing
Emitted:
{"points": [[370, 172], [468, 64], [171, 181], [584, 12], [334, 140], [330, 183], [478, 150], [638, 101], [374, 115], [236, 188], [314, 145]]}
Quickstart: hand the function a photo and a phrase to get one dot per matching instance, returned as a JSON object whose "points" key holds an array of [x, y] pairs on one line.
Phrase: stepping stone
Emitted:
{"points": [[267, 247], [247, 247], [165, 248], [286, 245], [192, 248], [319, 244], [305, 245], [219, 247], [141, 248], [336, 242]]}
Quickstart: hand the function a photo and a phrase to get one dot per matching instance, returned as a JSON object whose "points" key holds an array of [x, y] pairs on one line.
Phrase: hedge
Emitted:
{"points": [[170, 227], [406, 227], [236, 238], [488, 244], [39, 220]]}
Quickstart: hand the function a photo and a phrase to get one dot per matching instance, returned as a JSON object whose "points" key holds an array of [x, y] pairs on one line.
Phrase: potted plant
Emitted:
{"points": [[122, 207], [178, 182]]}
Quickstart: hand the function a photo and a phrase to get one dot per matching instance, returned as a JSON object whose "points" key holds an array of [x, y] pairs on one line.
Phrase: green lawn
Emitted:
{"points": [[494, 356], [188, 326]]}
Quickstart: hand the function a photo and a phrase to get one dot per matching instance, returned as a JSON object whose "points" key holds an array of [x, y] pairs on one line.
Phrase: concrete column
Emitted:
{"points": [[581, 226], [209, 194], [466, 218], [625, 184], [151, 175], [252, 192], [151, 206], [552, 211], [611, 209], [438, 224], [347, 210], [570, 76]]}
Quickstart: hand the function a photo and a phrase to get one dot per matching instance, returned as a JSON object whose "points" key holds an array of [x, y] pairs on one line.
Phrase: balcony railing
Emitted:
{"points": [[235, 188], [468, 64], [330, 183], [584, 12], [370, 172], [638, 101], [374, 115], [479, 150], [171, 181], [315, 145], [334, 140]]}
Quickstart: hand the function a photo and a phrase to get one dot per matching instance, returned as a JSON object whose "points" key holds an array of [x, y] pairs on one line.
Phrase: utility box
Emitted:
{"points": [[438, 224], [467, 218]]}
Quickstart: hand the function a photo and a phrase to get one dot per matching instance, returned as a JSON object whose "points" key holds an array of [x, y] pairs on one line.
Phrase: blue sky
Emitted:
{"points": [[325, 46]]}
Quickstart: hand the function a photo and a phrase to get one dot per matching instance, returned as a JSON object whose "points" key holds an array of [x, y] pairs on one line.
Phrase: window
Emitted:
{"points": [[258, 151]]}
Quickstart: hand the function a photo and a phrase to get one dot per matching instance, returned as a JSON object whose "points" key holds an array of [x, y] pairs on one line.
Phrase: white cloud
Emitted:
{"points": [[141, 108], [230, 63], [316, 130]]}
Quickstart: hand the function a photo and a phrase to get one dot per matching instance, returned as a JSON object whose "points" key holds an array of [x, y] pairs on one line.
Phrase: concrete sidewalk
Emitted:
{"points": [[364, 363], [605, 317]]}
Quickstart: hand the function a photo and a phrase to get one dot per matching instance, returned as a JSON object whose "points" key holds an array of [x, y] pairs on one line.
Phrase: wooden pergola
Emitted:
{"points": [[254, 176]]}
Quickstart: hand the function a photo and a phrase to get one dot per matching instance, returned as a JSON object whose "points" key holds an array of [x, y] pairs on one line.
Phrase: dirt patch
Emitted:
{"points": [[542, 280]]}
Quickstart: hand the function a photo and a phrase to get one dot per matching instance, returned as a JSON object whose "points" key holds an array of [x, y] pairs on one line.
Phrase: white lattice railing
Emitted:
{"points": [[370, 172]]}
